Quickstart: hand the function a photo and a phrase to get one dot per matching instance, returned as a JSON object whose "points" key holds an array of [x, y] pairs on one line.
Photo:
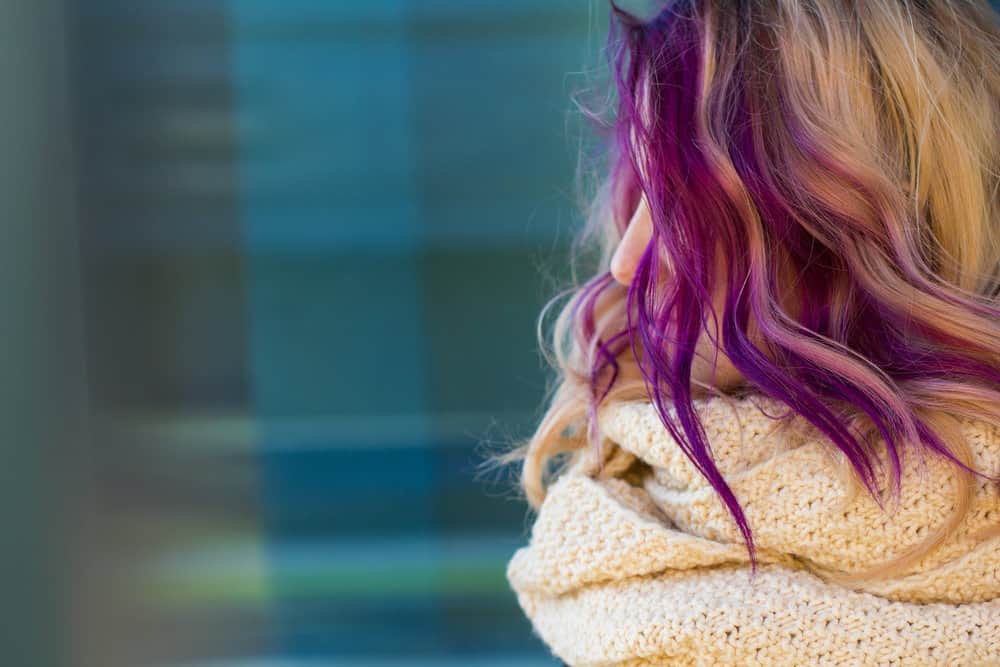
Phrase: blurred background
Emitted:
{"points": [[271, 270]]}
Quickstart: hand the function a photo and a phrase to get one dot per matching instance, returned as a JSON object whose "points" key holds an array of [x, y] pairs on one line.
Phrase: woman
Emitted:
{"points": [[797, 298]]}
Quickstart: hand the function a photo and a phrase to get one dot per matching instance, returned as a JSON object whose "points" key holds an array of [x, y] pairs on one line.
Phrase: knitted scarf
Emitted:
{"points": [[642, 564]]}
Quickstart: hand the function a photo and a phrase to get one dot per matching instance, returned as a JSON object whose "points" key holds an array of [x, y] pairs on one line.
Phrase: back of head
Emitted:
{"points": [[841, 160]]}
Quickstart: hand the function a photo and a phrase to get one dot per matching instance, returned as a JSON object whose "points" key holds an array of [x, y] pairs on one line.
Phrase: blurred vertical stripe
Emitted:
{"points": [[42, 371], [165, 286]]}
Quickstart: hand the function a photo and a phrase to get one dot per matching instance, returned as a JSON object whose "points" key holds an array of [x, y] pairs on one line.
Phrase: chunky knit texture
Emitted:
{"points": [[643, 564]]}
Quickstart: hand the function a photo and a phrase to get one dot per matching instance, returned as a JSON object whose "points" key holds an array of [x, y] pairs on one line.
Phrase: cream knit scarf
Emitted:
{"points": [[643, 565]]}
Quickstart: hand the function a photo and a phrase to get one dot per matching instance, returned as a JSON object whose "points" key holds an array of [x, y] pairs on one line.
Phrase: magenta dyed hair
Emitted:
{"points": [[853, 349]]}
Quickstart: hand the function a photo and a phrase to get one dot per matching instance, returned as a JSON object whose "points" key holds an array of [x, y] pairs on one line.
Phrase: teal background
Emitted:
{"points": [[313, 238]]}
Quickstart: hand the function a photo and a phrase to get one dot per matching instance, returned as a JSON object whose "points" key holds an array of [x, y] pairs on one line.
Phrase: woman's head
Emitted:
{"points": [[801, 196]]}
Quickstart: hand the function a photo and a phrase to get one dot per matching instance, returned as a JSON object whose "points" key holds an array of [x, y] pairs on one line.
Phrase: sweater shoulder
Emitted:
{"points": [[741, 433]]}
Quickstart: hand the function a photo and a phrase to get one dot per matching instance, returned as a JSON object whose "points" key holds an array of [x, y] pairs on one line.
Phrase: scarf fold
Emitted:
{"points": [[643, 564]]}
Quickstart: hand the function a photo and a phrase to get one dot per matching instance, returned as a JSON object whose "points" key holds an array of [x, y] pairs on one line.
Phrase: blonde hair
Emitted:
{"points": [[849, 148]]}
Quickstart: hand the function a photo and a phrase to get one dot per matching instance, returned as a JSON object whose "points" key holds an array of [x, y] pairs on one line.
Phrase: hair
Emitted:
{"points": [[845, 150]]}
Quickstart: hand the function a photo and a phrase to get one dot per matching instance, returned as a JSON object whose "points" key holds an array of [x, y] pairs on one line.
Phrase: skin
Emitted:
{"points": [[623, 267]]}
